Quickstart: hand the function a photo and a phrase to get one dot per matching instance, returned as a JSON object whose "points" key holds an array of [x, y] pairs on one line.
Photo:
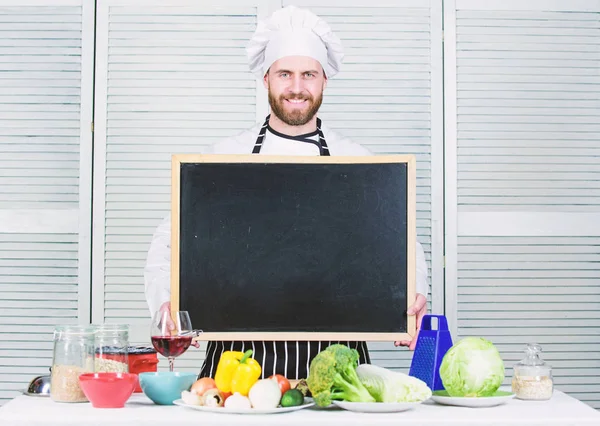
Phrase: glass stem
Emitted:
{"points": [[171, 359]]}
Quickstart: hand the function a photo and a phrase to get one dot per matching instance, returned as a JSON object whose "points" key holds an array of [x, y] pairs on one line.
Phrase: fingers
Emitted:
{"points": [[420, 302], [170, 323], [413, 343], [420, 314], [419, 307]]}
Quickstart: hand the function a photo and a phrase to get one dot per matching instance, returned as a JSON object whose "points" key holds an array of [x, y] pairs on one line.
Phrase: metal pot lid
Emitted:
{"points": [[131, 350]]}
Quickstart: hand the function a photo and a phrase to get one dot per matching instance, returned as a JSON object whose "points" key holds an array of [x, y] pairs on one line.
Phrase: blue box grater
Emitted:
{"points": [[431, 347]]}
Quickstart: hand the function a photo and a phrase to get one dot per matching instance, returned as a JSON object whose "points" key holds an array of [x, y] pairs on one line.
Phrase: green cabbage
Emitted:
{"points": [[472, 368], [390, 386]]}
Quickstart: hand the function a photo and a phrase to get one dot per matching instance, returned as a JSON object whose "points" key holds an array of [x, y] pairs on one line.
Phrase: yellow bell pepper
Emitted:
{"points": [[237, 372]]}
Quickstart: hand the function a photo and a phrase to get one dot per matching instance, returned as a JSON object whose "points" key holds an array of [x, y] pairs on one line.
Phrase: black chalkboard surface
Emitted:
{"points": [[285, 248]]}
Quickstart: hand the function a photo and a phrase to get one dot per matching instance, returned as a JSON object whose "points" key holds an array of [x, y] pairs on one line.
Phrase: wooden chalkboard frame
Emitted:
{"points": [[409, 160]]}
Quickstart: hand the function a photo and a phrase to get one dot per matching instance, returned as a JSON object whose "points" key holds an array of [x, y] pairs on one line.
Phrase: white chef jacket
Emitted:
{"points": [[158, 263]]}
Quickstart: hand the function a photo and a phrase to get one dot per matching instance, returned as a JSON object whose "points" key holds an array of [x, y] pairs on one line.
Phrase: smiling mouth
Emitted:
{"points": [[296, 101]]}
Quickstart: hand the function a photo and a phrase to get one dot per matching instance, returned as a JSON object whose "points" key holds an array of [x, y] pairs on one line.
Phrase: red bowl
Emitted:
{"points": [[108, 390]]}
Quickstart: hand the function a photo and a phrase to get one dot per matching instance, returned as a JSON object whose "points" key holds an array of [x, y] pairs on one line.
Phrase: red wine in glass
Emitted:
{"points": [[171, 335], [171, 346]]}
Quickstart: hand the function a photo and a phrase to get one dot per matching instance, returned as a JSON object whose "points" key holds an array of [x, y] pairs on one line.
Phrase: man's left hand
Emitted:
{"points": [[419, 308]]}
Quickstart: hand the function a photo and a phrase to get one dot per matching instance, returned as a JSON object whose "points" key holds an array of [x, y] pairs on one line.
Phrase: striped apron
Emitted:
{"points": [[289, 358]]}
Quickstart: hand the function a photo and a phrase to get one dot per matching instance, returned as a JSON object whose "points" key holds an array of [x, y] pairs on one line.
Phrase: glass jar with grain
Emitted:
{"points": [[73, 355], [532, 377], [112, 342]]}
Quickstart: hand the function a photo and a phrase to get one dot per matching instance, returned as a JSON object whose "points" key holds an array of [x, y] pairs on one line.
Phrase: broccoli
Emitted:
{"points": [[332, 376]]}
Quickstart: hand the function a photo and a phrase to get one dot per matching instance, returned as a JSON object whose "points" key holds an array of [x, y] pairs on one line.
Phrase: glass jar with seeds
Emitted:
{"points": [[111, 348], [532, 377], [73, 355]]}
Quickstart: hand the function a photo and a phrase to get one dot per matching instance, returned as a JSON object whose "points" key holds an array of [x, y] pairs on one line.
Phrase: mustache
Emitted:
{"points": [[296, 97]]}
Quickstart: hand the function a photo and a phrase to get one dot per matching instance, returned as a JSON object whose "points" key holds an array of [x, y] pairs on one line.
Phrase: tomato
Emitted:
{"points": [[203, 384], [283, 382]]}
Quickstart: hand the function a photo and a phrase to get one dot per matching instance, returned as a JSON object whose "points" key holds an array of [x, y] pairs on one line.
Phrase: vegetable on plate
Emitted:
{"points": [[472, 367], [392, 386], [292, 398], [332, 376], [237, 372], [302, 386], [213, 398], [203, 392], [282, 381], [238, 401], [200, 386], [265, 394]]}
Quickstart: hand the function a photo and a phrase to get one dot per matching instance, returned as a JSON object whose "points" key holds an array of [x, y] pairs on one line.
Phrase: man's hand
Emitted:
{"points": [[420, 309], [166, 307]]}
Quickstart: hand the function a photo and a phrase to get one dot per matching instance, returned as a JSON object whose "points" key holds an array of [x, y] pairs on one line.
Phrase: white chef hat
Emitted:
{"points": [[292, 31]]}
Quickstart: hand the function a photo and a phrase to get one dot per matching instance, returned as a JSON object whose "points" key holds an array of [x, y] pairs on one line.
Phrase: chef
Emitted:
{"points": [[295, 53]]}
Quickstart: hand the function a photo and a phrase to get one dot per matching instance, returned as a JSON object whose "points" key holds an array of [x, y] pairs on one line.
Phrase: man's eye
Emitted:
{"points": [[284, 74], [310, 74]]}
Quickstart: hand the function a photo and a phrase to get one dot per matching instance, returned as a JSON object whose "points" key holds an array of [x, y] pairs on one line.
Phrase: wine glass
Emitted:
{"points": [[171, 338]]}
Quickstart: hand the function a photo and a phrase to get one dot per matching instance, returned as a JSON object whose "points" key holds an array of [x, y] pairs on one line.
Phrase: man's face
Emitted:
{"points": [[295, 85]]}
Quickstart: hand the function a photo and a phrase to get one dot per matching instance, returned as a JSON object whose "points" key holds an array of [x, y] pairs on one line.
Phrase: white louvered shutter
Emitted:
{"points": [[46, 53], [528, 183], [171, 77], [388, 97]]}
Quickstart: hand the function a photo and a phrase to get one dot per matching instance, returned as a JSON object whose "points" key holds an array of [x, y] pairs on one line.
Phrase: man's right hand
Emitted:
{"points": [[166, 307]]}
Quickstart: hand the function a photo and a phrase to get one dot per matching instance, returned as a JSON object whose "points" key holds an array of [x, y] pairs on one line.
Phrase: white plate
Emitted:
{"points": [[376, 407], [500, 397], [224, 410]]}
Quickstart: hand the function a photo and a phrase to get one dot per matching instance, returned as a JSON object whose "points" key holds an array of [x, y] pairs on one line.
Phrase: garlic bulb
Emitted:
{"points": [[237, 401]]}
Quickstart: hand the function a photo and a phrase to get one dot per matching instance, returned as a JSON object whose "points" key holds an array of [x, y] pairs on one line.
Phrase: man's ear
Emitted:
{"points": [[266, 80]]}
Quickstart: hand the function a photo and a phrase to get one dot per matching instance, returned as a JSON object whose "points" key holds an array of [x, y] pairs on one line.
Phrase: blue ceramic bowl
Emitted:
{"points": [[164, 387]]}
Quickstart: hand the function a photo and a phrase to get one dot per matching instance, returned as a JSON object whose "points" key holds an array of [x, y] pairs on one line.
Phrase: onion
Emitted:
{"points": [[265, 394], [202, 385]]}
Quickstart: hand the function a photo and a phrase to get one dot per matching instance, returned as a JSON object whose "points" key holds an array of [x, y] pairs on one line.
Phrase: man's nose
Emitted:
{"points": [[296, 85]]}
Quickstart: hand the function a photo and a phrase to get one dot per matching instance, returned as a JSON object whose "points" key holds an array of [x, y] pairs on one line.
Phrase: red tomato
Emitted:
{"points": [[284, 384]]}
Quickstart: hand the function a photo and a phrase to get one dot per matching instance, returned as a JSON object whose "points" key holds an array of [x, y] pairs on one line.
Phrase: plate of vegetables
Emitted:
{"points": [[264, 397], [336, 379], [241, 407], [472, 372], [238, 389]]}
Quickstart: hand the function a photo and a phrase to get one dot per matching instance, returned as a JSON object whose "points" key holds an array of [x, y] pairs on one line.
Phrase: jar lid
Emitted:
{"points": [[111, 329], [532, 357], [131, 350], [111, 326], [73, 331], [141, 350]]}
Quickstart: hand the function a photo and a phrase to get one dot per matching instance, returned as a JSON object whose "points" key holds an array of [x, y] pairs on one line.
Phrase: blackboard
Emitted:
{"points": [[294, 248]]}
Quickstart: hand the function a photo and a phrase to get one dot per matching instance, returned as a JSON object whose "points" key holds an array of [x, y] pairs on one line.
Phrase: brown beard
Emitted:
{"points": [[296, 117]]}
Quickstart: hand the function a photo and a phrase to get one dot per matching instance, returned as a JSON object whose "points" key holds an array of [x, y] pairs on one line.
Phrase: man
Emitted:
{"points": [[295, 53]]}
